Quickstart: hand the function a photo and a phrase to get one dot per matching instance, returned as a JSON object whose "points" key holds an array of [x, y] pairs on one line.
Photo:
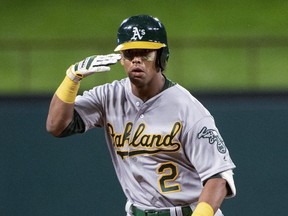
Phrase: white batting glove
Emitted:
{"points": [[91, 65]]}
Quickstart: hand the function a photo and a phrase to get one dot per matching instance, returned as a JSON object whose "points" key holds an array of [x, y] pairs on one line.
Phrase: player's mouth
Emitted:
{"points": [[136, 71]]}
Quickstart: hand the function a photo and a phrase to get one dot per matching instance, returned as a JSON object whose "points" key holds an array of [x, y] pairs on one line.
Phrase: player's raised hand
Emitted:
{"points": [[92, 64]]}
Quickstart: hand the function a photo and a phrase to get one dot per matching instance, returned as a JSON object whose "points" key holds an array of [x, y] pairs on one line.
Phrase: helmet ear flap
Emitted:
{"points": [[162, 58]]}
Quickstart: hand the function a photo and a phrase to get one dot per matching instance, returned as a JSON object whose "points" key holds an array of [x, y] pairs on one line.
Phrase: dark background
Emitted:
{"points": [[43, 175]]}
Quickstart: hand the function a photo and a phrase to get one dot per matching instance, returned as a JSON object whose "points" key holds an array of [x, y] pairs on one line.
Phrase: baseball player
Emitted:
{"points": [[168, 154]]}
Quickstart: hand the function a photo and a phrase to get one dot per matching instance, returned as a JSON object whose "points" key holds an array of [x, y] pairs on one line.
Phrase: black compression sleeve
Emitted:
{"points": [[76, 126]]}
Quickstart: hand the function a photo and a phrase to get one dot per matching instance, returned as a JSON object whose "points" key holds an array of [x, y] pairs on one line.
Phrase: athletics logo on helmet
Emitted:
{"points": [[143, 32], [138, 34]]}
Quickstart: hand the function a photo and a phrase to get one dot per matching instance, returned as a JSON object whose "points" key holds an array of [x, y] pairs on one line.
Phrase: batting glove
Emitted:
{"points": [[92, 64]]}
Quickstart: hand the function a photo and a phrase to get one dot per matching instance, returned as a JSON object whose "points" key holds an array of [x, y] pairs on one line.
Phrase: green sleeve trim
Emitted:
{"points": [[76, 126]]}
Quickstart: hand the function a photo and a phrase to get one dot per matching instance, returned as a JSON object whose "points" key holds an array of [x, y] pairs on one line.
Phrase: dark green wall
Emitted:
{"points": [[42, 175]]}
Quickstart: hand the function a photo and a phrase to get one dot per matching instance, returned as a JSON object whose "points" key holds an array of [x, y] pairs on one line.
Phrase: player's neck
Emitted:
{"points": [[150, 90]]}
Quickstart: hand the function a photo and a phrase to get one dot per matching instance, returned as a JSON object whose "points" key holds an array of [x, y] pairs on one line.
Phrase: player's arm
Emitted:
{"points": [[61, 111], [211, 197], [214, 192], [59, 116]]}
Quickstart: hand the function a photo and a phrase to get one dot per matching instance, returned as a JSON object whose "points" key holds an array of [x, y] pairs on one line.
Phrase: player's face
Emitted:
{"points": [[140, 66]]}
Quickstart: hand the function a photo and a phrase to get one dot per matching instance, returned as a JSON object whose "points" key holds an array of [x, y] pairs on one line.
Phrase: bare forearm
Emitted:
{"points": [[59, 116], [214, 193]]}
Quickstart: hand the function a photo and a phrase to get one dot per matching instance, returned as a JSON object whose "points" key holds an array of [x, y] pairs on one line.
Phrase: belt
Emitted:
{"points": [[186, 211]]}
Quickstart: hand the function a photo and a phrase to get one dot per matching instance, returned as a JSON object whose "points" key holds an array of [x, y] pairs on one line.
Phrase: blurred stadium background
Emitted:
{"points": [[232, 54], [215, 46]]}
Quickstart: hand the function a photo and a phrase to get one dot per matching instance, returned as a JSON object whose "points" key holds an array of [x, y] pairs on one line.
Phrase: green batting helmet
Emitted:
{"points": [[144, 32]]}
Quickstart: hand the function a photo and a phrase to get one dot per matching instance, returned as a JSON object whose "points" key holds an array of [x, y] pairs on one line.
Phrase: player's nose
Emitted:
{"points": [[136, 59]]}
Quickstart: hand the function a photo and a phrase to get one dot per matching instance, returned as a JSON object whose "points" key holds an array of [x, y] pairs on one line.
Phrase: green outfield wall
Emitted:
{"points": [[45, 176], [215, 45]]}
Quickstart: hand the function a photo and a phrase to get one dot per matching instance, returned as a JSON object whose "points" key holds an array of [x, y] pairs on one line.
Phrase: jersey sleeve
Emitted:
{"points": [[206, 149], [90, 107]]}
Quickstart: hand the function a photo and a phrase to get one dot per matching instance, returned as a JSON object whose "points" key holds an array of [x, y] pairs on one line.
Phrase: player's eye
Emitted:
{"points": [[145, 54]]}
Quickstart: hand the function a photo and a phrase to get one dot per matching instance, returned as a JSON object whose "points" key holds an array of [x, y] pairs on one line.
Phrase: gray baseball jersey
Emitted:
{"points": [[163, 149]]}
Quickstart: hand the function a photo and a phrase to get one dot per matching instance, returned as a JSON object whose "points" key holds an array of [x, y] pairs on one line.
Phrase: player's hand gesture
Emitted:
{"points": [[92, 64]]}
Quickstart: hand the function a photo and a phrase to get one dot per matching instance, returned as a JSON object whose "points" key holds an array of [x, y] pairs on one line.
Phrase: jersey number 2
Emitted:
{"points": [[169, 172]]}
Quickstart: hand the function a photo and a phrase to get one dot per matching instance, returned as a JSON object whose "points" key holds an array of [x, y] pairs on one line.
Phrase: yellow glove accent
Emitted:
{"points": [[203, 209], [68, 90]]}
